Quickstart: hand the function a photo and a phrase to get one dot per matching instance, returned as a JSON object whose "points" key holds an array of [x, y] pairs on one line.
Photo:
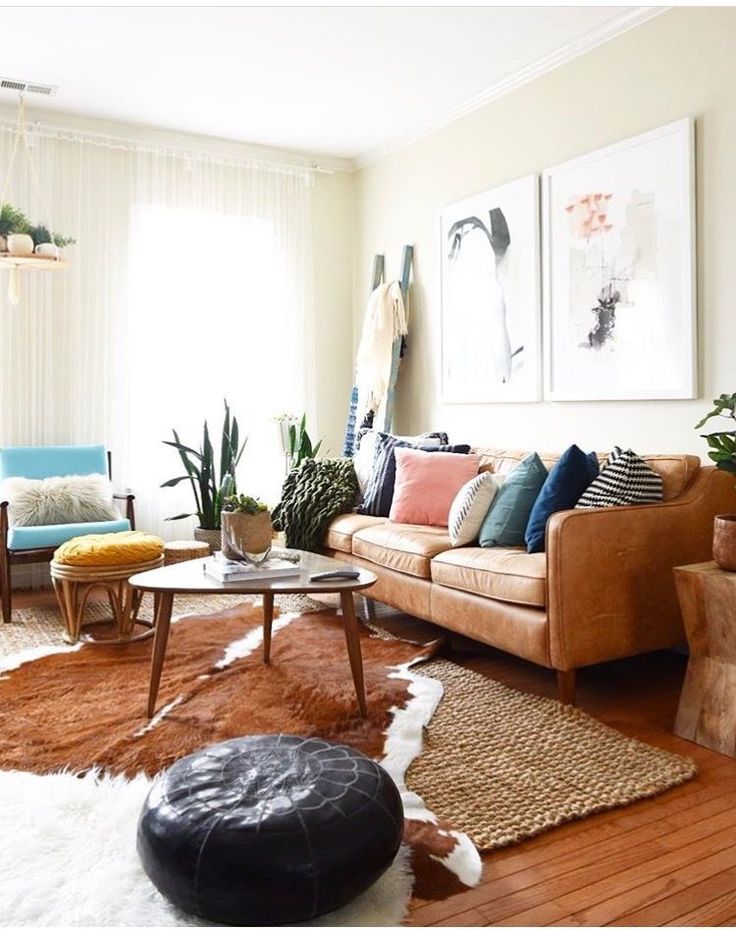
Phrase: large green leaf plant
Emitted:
{"points": [[210, 490], [722, 444]]}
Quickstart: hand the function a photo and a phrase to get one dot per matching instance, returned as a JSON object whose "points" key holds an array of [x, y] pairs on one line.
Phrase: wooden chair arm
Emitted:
{"points": [[129, 506]]}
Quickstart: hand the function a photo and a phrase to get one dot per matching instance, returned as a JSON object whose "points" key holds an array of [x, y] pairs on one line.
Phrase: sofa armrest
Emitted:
{"points": [[129, 506], [611, 590]]}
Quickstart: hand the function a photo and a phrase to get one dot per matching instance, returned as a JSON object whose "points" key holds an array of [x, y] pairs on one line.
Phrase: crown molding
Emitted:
{"points": [[580, 46]]}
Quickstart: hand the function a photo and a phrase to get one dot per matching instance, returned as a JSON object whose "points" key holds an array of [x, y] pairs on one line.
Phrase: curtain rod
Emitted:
{"points": [[122, 143]]}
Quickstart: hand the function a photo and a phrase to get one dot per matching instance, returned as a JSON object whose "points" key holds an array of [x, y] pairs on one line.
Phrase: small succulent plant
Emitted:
{"points": [[61, 241], [241, 503]]}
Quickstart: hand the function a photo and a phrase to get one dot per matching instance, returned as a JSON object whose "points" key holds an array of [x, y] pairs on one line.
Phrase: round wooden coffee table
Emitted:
{"points": [[188, 577]]}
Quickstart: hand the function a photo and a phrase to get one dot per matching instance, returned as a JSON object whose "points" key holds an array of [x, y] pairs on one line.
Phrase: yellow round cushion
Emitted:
{"points": [[109, 548]]}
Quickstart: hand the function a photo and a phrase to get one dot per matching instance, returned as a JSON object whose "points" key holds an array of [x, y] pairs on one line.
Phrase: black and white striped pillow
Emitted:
{"points": [[626, 480]]}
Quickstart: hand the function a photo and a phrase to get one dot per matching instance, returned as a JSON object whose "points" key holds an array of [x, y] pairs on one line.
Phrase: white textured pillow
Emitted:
{"points": [[469, 508], [53, 501]]}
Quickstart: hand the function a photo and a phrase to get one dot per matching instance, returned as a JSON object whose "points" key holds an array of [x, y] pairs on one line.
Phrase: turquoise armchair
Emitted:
{"points": [[29, 544]]}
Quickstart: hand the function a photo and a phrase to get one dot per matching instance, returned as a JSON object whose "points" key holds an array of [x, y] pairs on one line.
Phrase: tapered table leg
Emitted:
{"points": [[352, 637], [267, 623], [163, 621]]}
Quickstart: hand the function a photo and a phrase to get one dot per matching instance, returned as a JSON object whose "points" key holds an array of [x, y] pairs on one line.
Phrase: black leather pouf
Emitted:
{"points": [[269, 829]]}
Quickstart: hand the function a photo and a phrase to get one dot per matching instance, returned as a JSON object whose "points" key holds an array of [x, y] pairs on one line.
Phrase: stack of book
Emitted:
{"points": [[224, 570]]}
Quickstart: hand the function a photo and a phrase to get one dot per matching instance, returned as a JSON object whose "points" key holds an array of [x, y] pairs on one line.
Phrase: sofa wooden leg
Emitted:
{"points": [[566, 686], [6, 591]]}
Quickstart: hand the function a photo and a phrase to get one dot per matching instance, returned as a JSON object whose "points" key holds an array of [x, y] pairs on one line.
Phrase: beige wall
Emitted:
{"points": [[333, 216], [680, 63]]}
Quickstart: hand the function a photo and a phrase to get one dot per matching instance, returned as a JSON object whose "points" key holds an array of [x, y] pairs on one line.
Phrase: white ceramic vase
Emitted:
{"points": [[48, 250]]}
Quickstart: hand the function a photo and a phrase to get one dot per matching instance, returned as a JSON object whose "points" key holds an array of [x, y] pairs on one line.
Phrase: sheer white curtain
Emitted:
{"points": [[190, 284]]}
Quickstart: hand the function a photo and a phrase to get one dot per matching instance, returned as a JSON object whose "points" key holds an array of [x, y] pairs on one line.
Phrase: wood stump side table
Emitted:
{"points": [[707, 710]]}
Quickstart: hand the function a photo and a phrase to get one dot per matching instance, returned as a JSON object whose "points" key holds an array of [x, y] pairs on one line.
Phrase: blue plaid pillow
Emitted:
{"points": [[379, 491]]}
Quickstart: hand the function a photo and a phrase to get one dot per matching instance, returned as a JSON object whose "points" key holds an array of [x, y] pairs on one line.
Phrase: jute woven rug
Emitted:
{"points": [[42, 627], [503, 765], [497, 764]]}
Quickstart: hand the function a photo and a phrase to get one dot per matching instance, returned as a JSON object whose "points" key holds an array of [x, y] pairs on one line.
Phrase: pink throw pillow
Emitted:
{"points": [[426, 485]]}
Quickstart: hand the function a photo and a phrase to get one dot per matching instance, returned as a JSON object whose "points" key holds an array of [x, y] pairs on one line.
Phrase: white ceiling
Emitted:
{"points": [[340, 81]]}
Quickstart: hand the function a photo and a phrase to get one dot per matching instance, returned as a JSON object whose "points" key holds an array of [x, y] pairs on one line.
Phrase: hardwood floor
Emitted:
{"points": [[670, 860]]}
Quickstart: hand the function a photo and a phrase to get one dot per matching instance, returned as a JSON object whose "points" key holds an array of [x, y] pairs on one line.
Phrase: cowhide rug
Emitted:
{"points": [[81, 707]]}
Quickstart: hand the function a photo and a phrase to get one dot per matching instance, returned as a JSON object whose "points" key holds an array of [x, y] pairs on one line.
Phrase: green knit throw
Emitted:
{"points": [[313, 494]]}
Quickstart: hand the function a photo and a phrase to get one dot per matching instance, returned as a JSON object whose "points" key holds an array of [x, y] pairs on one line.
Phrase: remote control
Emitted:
{"points": [[345, 575]]}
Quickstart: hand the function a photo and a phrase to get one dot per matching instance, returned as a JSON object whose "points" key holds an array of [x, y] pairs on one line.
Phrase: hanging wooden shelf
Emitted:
{"points": [[32, 262]]}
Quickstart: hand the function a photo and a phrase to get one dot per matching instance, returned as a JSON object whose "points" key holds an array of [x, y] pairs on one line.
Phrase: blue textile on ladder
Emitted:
{"points": [[348, 448]]}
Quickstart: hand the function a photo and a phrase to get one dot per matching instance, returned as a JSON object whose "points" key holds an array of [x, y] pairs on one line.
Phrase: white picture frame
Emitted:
{"points": [[491, 296], [619, 292]]}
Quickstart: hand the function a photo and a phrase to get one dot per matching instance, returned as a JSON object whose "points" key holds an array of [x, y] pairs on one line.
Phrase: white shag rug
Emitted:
{"points": [[68, 858]]}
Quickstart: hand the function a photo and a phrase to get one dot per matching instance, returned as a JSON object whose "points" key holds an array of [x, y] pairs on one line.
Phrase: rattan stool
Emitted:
{"points": [[73, 585], [175, 552]]}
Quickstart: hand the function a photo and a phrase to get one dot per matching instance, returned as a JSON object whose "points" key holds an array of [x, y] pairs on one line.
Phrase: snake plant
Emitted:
{"points": [[210, 492], [300, 445]]}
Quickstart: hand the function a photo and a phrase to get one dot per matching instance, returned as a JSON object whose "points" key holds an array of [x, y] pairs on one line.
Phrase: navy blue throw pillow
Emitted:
{"points": [[567, 482], [379, 491]]}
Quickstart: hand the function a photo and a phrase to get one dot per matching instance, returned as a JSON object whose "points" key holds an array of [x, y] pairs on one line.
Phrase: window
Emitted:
{"points": [[211, 316]]}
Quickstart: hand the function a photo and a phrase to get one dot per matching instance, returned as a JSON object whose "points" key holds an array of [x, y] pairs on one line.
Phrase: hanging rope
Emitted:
{"points": [[21, 138], [11, 162]]}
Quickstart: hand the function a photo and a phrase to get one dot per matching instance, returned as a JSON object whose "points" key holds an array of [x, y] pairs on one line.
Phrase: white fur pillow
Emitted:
{"points": [[53, 501], [469, 508]]}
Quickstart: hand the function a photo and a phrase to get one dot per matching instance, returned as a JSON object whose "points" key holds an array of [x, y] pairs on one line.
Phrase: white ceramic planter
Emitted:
{"points": [[48, 250], [20, 245]]}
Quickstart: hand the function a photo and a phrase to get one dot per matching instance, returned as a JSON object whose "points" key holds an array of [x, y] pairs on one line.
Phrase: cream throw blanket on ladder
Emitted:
{"points": [[385, 322]]}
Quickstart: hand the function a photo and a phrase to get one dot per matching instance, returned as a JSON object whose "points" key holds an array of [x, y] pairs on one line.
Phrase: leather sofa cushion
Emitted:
{"points": [[341, 530], [408, 549], [676, 471], [508, 574]]}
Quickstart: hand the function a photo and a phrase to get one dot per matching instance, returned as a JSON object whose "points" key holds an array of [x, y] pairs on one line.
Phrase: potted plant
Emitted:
{"points": [[43, 242], [209, 490], [246, 529], [723, 453], [61, 241], [300, 445], [12, 222], [14, 229], [47, 244]]}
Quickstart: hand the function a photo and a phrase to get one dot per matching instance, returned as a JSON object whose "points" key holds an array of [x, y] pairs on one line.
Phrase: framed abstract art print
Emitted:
{"points": [[491, 309], [619, 270]]}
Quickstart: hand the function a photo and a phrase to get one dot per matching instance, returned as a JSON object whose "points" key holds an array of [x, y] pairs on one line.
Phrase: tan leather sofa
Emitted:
{"points": [[603, 589]]}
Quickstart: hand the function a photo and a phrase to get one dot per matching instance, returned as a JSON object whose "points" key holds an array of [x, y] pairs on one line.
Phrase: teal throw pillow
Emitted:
{"points": [[506, 521]]}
